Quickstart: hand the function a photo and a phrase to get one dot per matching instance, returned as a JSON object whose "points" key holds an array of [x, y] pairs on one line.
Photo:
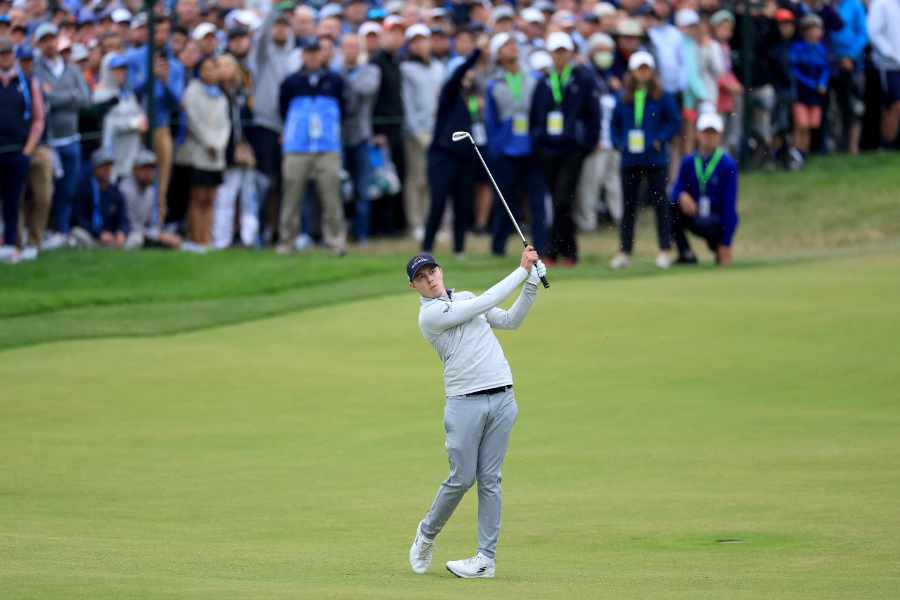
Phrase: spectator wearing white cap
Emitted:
{"points": [[600, 178], [534, 27], [643, 124], [503, 19], [205, 36], [704, 197], [516, 167], [565, 128], [370, 36], [421, 80]]}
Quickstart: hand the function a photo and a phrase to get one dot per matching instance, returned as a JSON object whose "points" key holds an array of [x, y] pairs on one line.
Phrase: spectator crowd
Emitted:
{"points": [[255, 123]]}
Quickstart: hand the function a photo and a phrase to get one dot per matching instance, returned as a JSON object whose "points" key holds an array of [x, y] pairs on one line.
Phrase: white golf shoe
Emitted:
{"points": [[420, 552], [620, 261], [663, 261], [479, 566]]}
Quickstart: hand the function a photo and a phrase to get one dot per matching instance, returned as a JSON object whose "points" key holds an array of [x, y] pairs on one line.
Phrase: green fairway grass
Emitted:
{"points": [[292, 457]]}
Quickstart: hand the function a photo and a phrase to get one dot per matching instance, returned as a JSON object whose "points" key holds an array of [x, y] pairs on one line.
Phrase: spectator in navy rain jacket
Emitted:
{"points": [[704, 198], [451, 166], [100, 218], [516, 167], [644, 122], [809, 70], [848, 77], [312, 103], [565, 128]]}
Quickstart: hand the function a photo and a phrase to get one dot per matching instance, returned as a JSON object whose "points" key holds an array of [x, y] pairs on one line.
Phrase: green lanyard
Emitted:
{"points": [[472, 104], [555, 86], [640, 100], [514, 81], [704, 175]]}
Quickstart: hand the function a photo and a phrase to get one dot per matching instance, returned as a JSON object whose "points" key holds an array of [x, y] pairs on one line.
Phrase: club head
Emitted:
{"points": [[458, 136]]}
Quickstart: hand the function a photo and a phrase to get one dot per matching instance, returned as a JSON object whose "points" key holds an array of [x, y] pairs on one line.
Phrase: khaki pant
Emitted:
{"points": [[37, 207], [324, 169], [162, 147], [600, 172], [415, 188]]}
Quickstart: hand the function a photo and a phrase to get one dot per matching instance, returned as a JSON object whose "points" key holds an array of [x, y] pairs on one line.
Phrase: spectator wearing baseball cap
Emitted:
{"points": [[138, 190], [669, 46], [66, 93], [810, 71], [565, 128], [422, 79], [515, 165], [704, 197], [21, 126], [125, 122], [644, 123], [101, 219]]}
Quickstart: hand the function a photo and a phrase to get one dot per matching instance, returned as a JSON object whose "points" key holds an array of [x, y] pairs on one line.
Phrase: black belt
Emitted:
{"points": [[496, 390]]}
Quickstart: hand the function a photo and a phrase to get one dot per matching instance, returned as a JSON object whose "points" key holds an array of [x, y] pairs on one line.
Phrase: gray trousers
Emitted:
{"points": [[477, 434], [324, 169]]}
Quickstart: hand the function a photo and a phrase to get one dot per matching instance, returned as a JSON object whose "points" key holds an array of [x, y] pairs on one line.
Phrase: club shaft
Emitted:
{"points": [[499, 193]]}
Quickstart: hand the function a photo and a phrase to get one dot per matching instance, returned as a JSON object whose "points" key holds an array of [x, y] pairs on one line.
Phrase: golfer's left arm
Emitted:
{"points": [[512, 318]]}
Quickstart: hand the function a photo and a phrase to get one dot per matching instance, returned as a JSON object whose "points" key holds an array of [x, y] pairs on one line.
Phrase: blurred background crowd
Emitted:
{"points": [[207, 125]]}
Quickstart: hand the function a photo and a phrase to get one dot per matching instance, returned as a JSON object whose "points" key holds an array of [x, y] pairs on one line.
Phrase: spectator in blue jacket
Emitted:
{"points": [[100, 219], [451, 166], [644, 122], [311, 103], [169, 86], [515, 166], [810, 71], [848, 76], [565, 128], [704, 198]]}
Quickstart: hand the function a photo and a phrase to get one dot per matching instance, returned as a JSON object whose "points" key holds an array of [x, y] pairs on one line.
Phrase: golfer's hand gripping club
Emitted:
{"points": [[459, 136]]}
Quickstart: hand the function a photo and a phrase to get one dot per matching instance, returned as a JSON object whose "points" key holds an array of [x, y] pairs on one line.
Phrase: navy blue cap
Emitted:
{"points": [[5, 19], [24, 52], [417, 262]]}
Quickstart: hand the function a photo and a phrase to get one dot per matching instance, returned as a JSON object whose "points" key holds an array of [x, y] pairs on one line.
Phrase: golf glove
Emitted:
{"points": [[537, 271]]}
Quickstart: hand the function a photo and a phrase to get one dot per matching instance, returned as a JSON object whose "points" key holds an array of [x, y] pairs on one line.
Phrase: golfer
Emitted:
{"points": [[481, 408]]}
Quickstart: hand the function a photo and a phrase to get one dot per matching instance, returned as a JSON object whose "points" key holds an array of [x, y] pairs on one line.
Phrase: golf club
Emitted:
{"points": [[458, 136]]}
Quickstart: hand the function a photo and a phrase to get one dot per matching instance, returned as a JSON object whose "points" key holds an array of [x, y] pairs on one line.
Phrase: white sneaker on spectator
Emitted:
{"points": [[620, 261], [303, 242], [193, 247], [663, 261], [9, 254], [54, 241], [419, 234], [284, 249], [28, 253], [477, 567]]}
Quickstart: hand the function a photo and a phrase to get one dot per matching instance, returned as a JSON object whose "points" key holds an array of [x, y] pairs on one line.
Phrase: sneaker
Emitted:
{"points": [[420, 552], [418, 234], [459, 256], [194, 248], [663, 261], [284, 249], [687, 258], [9, 254], [54, 241], [479, 566], [620, 261], [29, 253], [568, 263]]}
